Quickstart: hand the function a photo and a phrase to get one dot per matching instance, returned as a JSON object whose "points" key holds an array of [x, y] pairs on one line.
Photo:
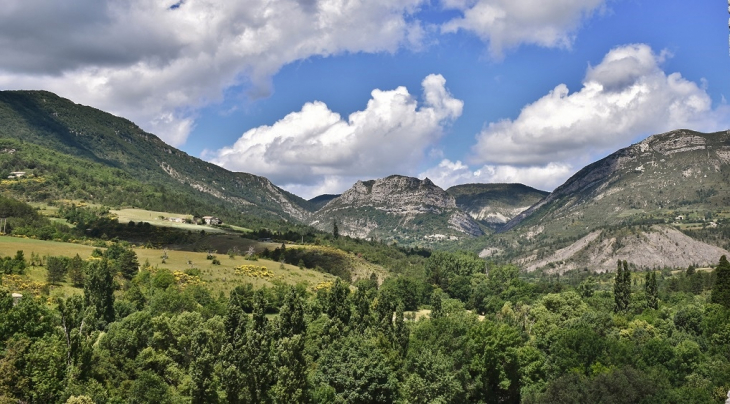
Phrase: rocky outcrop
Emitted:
{"points": [[656, 247], [398, 207]]}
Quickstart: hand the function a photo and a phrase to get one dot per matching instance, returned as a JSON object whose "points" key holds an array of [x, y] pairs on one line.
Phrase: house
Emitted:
{"points": [[176, 219], [16, 174], [680, 217], [211, 220], [16, 298]]}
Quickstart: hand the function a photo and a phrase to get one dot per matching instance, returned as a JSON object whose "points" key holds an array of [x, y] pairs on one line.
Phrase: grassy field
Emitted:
{"points": [[160, 219], [217, 278]]}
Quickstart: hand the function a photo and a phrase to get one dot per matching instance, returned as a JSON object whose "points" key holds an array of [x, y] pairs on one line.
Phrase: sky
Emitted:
{"points": [[317, 94]]}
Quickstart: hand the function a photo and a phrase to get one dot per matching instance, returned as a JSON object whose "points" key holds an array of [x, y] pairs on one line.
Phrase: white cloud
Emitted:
{"points": [[625, 96], [506, 24], [546, 177], [313, 147], [158, 64]]}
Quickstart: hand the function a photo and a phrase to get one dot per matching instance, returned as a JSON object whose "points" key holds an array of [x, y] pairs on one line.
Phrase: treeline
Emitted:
{"points": [[161, 336]]}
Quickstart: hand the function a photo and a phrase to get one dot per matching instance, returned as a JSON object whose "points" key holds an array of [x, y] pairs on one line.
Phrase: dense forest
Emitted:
{"points": [[462, 334]]}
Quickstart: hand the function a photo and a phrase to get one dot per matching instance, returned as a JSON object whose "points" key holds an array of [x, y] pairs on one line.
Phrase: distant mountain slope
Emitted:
{"points": [[396, 207], [318, 202], [640, 203], [48, 120], [663, 177], [495, 204]]}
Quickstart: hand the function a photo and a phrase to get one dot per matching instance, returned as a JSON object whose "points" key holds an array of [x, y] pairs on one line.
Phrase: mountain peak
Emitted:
{"points": [[396, 206]]}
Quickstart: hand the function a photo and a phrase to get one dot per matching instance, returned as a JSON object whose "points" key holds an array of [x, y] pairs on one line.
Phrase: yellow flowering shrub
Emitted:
{"points": [[254, 271], [323, 285], [22, 284]]}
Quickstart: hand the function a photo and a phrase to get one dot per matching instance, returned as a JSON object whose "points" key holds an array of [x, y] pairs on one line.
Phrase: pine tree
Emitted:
{"points": [[721, 288], [76, 271], [650, 287], [335, 230], [56, 269]]}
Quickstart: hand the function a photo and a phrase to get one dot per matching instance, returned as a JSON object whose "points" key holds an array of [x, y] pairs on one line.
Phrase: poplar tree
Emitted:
{"points": [[622, 287], [650, 287], [721, 288]]}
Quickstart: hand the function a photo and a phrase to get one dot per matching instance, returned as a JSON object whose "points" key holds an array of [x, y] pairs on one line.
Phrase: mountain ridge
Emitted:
{"points": [[48, 120], [386, 206]]}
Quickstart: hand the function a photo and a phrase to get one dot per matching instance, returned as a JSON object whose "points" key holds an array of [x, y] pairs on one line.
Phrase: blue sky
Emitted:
{"points": [[316, 94]]}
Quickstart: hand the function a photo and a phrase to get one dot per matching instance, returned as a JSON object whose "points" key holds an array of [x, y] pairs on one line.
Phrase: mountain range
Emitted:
{"points": [[669, 189]]}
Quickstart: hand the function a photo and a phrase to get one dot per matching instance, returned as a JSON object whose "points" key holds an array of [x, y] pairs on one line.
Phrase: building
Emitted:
{"points": [[211, 220]]}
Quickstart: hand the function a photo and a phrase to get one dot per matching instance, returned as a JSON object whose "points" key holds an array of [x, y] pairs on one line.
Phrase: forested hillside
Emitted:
{"points": [[456, 335], [93, 136]]}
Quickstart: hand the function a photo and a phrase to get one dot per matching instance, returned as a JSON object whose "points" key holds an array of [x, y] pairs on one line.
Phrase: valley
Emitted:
{"points": [[136, 270]]}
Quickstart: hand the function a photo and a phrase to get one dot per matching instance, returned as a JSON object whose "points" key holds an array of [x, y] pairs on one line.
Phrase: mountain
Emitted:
{"points": [[50, 122], [398, 208], [493, 205], [666, 196], [665, 176], [318, 202]]}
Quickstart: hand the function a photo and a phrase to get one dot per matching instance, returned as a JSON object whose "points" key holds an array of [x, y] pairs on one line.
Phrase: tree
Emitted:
{"points": [[650, 286], [358, 371], [335, 230], [256, 354], [127, 263], [436, 305], [76, 271], [721, 288], [202, 368], [622, 287], [56, 269], [99, 289], [431, 379], [587, 287]]}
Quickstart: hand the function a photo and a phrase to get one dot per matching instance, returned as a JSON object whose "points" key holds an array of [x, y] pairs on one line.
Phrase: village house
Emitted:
{"points": [[211, 220], [16, 174]]}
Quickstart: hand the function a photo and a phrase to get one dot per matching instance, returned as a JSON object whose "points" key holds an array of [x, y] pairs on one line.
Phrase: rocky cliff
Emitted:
{"points": [[396, 207]]}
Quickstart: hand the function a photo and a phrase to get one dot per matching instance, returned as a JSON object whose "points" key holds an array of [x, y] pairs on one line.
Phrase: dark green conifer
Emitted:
{"points": [[650, 287], [721, 289]]}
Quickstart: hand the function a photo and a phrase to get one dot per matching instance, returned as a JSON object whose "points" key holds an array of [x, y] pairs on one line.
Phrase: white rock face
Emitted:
{"points": [[395, 203]]}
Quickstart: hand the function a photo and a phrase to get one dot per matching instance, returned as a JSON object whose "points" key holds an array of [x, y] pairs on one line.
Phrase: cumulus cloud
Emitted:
{"points": [[158, 62], [506, 24], [546, 177], [625, 96], [311, 148]]}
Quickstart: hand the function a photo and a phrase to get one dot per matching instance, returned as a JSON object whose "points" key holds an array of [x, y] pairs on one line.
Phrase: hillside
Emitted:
{"points": [[397, 208], [319, 201], [668, 182], [493, 205], [661, 179], [55, 123]]}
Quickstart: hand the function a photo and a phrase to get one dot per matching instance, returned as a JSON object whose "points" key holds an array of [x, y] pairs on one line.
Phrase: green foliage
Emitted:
{"points": [[523, 341], [56, 268], [15, 265], [721, 289], [622, 287], [99, 290], [357, 371], [651, 290]]}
